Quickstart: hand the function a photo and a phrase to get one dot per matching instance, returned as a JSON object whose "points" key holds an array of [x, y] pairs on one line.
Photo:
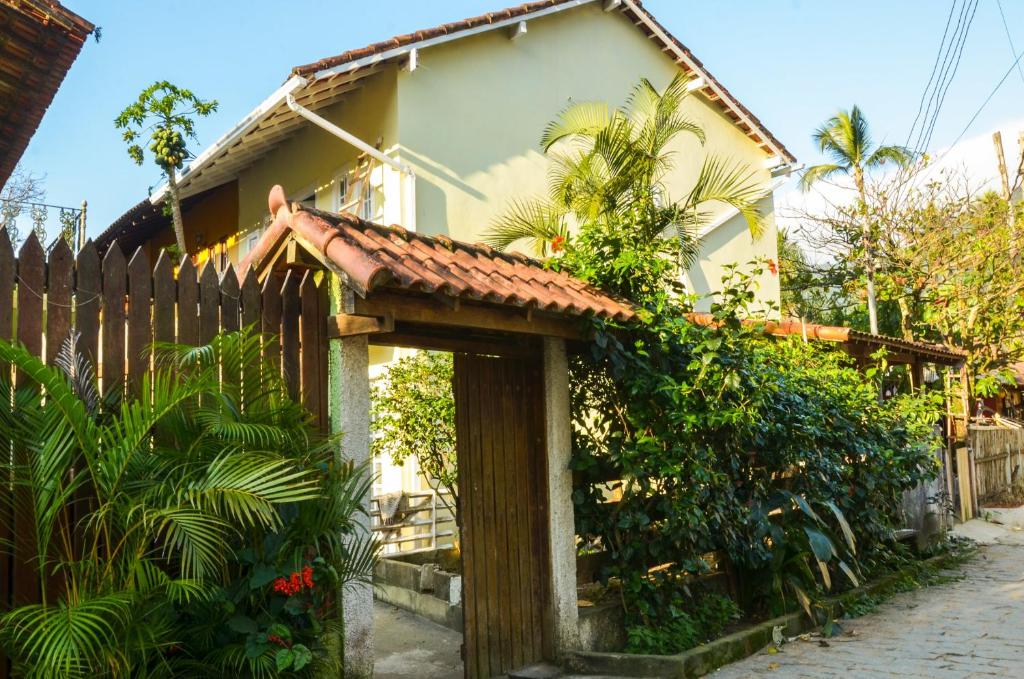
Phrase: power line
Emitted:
{"points": [[940, 79], [952, 75], [935, 67], [949, 67], [981, 108], [1006, 27]]}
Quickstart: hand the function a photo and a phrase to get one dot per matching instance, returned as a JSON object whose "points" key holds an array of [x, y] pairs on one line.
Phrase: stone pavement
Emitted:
{"points": [[406, 645], [970, 628]]}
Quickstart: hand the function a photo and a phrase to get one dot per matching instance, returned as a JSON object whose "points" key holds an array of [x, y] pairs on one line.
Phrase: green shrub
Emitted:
{"points": [[776, 452], [705, 620], [192, 503]]}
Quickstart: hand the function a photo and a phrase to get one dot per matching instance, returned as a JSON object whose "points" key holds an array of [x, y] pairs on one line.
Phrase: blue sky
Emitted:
{"points": [[792, 62]]}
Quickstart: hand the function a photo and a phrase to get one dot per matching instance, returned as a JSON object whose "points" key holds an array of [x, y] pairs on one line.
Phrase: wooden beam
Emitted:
{"points": [[415, 340], [347, 325], [426, 311]]}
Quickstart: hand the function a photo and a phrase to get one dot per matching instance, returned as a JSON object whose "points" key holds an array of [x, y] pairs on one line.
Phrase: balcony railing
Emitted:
{"points": [[420, 522], [49, 222]]}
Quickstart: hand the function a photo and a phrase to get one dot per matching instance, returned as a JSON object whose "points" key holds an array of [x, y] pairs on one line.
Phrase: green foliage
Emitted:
{"points": [[776, 453], [609, 166], [167, 113], [198, 496], [846, 140], [705, 618], [413, 411]]}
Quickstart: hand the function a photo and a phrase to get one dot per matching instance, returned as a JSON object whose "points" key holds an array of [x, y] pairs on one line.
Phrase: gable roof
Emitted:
{"points": [[324, 82], [370, 257], [632, 9], [39, 40]]}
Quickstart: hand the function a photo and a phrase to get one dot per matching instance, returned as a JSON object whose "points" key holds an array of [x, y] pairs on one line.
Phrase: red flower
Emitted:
{"points": [[295, 582], [557, 243], [773, 267], [274, 639]]}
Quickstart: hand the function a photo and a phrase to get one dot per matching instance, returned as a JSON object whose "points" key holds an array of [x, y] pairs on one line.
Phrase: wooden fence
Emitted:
{"points": [[120, 308], [998, 460]]}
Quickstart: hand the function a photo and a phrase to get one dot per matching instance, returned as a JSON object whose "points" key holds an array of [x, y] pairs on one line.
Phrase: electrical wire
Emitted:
{"points": [[931, 78], [952, 75], [983, 104], [1006, 27], [949, 68]]}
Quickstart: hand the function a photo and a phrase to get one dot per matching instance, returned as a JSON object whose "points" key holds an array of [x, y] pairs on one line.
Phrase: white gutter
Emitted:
{"points": [[407, 191], [244, 126], [348, 137]]}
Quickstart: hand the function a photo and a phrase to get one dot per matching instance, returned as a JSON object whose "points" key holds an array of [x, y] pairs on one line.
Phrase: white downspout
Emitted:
{"points": [[408, 184]]}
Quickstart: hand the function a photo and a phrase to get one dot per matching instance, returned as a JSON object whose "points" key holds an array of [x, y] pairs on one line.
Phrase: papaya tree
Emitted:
{"points": [[166, 113]]}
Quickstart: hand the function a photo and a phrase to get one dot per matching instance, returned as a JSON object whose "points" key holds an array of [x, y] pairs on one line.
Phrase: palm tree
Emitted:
{"points": [[186, 500], [610, 165], [846, 141]]}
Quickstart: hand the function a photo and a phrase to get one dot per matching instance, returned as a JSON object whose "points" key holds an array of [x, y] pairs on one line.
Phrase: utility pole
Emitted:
{"points": [[1018, 178], [997, 139], [81, 227]]}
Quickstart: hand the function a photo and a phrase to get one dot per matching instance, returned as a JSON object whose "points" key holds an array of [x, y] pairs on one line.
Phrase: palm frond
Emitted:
{"points": [[244, 488], [900, 156], [818, 173], [67, 639], [733, 183], [583, 119], [537, 222]]}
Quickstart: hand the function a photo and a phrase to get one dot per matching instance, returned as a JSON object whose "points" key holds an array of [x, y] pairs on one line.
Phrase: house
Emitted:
{"points": [[39, 41], [438, 131]]}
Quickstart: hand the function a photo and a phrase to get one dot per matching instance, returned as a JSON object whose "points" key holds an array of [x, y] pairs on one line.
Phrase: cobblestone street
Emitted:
{"points": [[970, 628]]}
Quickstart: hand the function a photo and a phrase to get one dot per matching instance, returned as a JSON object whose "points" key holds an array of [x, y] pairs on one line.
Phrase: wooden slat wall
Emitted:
{"points": [[118, 308], [499, 440]]}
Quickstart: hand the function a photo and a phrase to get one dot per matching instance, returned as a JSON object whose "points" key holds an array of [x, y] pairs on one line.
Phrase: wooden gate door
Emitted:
{"points": [[499, 413]]}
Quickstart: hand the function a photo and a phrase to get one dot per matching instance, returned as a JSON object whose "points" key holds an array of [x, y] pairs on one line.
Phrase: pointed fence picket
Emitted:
{"points": [[118, 308]]}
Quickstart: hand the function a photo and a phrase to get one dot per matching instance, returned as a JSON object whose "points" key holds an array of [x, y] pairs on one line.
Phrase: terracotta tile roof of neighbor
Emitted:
{"points": [[842, 335], [633, 10], [372, 256], [39, 40]]}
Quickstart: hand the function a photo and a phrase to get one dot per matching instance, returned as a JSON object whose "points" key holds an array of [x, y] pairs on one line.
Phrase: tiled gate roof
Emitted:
{"points": [[372, 256]]}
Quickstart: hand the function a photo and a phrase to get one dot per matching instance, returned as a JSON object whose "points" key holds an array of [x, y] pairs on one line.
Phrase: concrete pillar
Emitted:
{"points": [[561, 526], [349, 400]]}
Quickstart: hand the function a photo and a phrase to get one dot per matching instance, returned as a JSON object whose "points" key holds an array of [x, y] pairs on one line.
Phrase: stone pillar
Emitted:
{"points": [[561, 526], [349, 400]]}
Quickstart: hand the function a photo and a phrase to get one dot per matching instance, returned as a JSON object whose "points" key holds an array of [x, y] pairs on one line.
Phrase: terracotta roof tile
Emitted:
{"points": [[374, 256], [844, 335]]}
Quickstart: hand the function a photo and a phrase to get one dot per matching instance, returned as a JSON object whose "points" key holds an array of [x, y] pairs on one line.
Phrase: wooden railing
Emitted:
{"points": [[422, 522]]}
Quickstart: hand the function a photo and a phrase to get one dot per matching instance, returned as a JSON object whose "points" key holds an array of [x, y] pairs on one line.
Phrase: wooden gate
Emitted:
{"points": [[499, 412]]}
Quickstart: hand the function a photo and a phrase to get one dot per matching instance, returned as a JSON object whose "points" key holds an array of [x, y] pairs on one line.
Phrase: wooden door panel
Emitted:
{"points": [[502, 484]]}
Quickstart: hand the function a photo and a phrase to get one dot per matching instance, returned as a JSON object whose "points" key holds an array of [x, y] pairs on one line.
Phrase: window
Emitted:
{"points": [[359, 189]]}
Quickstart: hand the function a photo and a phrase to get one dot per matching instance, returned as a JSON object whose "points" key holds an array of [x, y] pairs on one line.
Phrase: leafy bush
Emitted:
{"points": [[414, 416], [708, 616], [777, 453], [191, 503]]}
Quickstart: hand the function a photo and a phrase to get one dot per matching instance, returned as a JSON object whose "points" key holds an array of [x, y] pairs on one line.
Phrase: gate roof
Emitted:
{"points": [[370, 257]]}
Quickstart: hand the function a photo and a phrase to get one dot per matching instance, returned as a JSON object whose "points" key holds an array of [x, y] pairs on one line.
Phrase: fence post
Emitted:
{"points": [[433, 519]]}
